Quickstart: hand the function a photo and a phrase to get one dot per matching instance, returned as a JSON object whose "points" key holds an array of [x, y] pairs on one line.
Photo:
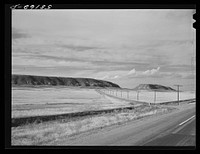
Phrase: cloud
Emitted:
{"points": [[114, 47], [37, 62], [131, 74], [109, 77], [151, 72], [133, 71], [178, 68], [77, 47], [17, 34], [104, 77], [116, 76], [189, 75]]}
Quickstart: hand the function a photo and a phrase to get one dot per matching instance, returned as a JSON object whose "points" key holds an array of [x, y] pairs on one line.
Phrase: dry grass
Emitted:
{"points": [[49, 101], [49, 132]]}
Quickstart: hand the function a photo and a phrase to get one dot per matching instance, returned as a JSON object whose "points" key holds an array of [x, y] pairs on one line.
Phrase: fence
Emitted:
{"points": [[148, 96]]}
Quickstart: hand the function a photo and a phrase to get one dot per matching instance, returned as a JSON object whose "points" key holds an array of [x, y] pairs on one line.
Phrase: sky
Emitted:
{"points": [[127, 47]]}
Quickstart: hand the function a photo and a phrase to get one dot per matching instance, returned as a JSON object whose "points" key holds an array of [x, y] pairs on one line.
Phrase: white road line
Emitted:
{"points": [[186, 120]]}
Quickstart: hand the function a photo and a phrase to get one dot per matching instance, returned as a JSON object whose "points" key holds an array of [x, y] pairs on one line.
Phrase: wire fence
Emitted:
{"points": [[149, 96]]}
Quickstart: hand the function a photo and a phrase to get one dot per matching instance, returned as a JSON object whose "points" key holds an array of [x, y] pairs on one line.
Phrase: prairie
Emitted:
{"points": [[48, 133], [28, 101], [42, 101]]}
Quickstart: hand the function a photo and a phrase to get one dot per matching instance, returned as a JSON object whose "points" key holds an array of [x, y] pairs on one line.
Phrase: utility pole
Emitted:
{"points": [[178, 92], [137, 95], [154, 96]]}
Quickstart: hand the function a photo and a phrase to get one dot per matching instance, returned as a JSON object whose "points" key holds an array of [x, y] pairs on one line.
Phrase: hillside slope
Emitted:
{"points": [[151, 87], [56, 81]]}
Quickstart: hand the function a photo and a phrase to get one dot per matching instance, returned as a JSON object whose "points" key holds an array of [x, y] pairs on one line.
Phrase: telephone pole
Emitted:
{"points": [[154, 96], [178, 92], [127, 94], [138, 95]]}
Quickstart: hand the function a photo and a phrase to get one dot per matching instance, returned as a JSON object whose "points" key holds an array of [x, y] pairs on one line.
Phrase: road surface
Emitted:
{"points": [[182, 135], [172, 129]]}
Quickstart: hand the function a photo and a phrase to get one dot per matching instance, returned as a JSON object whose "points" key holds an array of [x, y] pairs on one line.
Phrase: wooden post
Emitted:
{"points": [[154, 96], [137, 95], [178, 93], [127, 94]]}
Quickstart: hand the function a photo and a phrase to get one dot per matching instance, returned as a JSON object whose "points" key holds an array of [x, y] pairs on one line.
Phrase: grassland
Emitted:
{"points": [[49, 132], [44, 101], [28, 101]]}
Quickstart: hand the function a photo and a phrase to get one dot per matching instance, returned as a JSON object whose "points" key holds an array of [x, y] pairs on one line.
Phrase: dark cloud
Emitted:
{"points": [[178, 68], [77, 47], [16, 34], [160, 43], [96, 65], [189, 76]]}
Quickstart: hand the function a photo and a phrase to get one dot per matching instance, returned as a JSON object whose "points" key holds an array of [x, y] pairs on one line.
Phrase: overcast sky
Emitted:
{"points": [[127, 47]]}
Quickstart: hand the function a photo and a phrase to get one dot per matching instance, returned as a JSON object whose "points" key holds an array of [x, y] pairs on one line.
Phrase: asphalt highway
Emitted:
{"points": [[183, 134], [177, 128]]}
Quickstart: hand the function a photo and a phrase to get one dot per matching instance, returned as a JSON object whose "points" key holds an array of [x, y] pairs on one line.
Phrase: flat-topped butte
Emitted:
{"points": [[21, 80]]}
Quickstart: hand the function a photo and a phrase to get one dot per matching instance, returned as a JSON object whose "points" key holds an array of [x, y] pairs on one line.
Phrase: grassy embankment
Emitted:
{"points": [[47, 133]]}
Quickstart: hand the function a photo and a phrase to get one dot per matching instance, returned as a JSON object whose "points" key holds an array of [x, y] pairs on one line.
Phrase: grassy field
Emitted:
{"points": [[48, 133], [43, 101], [28, 101]]}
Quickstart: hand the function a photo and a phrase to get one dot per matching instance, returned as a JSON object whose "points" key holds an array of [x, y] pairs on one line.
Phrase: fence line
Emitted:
{"points": [[148, 96]]}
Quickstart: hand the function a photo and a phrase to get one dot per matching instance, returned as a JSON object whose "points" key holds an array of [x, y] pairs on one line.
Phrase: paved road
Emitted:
{"points": [[182, 135], [172, 129]]}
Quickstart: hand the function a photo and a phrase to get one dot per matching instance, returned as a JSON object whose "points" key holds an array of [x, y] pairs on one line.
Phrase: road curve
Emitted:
{"points": [[173, 129]]}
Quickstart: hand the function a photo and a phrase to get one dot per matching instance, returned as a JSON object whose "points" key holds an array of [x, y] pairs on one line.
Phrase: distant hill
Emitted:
{"points": [[56, 81], [151, 87]]}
